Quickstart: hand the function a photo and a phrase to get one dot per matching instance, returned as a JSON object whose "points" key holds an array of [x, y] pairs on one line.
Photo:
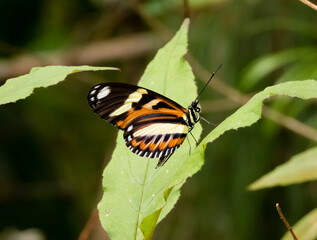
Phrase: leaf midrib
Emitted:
{"points": [[141, 198], [147, 167]]}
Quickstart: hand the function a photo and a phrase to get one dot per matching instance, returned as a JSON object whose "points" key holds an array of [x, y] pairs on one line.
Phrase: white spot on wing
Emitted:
{"points": [[130, 128], [129, 138], [93, 92], [92, 99], [167, 152], [103, 93]]}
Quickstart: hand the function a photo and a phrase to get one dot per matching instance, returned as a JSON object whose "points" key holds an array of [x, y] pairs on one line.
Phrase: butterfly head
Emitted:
{"points": [[194, 105], [194, 111]]}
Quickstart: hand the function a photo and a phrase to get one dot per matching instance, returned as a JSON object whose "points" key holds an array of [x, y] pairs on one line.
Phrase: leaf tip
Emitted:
{"points": [[186, 22], [251, 187]]}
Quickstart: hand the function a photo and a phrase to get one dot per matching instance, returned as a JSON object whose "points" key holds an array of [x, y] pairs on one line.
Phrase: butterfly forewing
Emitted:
{"points": [[154, 126]]}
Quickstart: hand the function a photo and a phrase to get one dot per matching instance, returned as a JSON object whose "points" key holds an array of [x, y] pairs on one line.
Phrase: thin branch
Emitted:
{"points": [[93, 229], [285, 221], [90, 225], [309, 4], [119, 48], [290, 123], [186, 9]]}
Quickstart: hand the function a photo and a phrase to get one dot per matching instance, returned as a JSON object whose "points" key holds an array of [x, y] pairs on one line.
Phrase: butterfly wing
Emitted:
{"points": [[154, 126]]}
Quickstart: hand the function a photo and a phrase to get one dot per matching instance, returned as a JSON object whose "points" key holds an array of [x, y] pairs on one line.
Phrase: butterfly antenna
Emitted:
{"points": [[215, 125], [204, 119], [212, 75]]}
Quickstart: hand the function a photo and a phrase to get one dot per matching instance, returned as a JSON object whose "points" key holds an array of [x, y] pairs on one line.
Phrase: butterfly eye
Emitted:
{"points": [[197, 109]]}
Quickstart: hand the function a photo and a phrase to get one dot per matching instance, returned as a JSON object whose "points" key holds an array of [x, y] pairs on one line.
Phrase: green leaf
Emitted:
{"points": [[136, 195], [300, 168], [261, 67], [306, 228], [22, 86]]}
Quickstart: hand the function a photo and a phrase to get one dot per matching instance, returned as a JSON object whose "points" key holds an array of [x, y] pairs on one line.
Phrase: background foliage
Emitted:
{"points": [[53, 149]]}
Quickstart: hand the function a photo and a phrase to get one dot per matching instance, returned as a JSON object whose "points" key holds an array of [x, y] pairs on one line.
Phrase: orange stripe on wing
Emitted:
{"points": [[133, 114], [134, 143], [180, 140]]}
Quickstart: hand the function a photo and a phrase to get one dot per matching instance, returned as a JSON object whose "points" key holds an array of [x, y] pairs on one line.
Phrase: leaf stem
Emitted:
{"points": [[285, 221]]}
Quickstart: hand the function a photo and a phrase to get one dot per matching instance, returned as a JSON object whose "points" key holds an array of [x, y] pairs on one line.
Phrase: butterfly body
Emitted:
{"points": [[154, 126]]}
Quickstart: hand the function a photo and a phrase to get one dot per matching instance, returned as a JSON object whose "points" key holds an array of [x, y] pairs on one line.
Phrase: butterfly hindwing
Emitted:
{"points": [[154, 126], [155, 139]]}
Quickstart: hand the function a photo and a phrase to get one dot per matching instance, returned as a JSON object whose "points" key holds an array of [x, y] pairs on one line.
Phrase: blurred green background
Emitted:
{"points": [[53, 148]]}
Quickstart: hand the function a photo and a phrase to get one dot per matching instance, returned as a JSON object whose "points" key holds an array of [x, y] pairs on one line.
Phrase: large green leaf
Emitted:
{"points": [[301, 168], [22, 86], [136, 195], [306, 228]]}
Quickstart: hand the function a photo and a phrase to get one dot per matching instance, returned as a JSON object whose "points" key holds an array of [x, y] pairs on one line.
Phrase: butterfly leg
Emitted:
{"points": [[193, 137], [190, 147]]}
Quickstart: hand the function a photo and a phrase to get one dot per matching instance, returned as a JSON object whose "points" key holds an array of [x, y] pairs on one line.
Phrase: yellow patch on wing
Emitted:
{"points": [[127, 105]]}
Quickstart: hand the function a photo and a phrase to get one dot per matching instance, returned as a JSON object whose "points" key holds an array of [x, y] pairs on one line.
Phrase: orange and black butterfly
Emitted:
{"points": [[154, 126]]}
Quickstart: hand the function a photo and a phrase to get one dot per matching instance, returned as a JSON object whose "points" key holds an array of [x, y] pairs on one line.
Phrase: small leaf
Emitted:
{"points": [[22, 86], [300, 168], [306, 228], [261, 67], [136, 195]]}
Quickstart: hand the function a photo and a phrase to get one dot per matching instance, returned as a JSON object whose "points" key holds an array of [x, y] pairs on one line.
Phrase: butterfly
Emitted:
{"points": [[153, 125]]}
